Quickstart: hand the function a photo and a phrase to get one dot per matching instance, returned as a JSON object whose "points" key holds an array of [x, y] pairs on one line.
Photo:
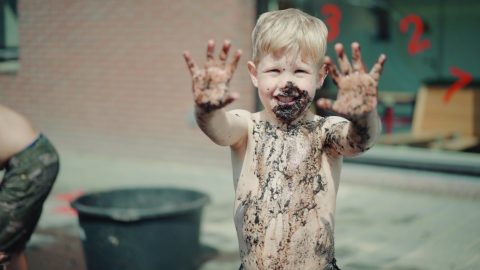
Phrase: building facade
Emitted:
{"points": [[108, 77]]}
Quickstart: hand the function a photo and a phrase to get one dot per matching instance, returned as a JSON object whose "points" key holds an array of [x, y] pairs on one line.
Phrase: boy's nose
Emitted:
{"points": [[284, 80]]}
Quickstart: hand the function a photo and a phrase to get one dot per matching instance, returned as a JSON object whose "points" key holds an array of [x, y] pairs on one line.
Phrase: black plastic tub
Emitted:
{"points": [[147, 228]]}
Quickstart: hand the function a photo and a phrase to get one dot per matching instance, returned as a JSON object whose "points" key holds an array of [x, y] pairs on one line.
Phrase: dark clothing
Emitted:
{"points": [[28, 179]]}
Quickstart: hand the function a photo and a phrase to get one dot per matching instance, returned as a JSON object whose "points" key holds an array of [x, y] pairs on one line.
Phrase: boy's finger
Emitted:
{"points": [[224, 52], [332, 69], [192, 67], [210, 49], [378, 67], [325, 104], [357, 63], [234, 63], [343, 62]]}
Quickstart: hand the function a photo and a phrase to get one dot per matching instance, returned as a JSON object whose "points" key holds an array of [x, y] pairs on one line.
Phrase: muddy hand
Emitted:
{"points": [[210, 84], [357, 89]]}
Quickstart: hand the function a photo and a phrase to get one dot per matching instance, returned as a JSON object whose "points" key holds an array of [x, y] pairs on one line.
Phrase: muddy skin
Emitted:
{"points": [[284, 217], [210, 106], [361, 137], [332, 138], [358, 117], [357, 141], [210, 89], [357, 98], [288, 113], [211, 100]]}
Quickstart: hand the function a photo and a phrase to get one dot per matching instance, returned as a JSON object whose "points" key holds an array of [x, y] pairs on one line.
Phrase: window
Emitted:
{"points": [[8, 36]]}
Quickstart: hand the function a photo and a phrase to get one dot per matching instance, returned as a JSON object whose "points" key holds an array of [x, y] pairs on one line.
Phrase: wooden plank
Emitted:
{"points": [[459, 144], [410, 138]]}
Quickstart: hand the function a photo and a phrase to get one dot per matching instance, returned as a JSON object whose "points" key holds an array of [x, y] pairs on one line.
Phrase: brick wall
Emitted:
{"points": [[108, 76]]}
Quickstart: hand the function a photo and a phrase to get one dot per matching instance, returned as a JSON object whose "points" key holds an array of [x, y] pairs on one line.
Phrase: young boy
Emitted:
{"points": [[31, 165], [286, 160]]}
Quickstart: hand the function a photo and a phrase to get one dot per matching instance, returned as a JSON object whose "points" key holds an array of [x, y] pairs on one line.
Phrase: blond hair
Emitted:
{"points": [[289, 30]]}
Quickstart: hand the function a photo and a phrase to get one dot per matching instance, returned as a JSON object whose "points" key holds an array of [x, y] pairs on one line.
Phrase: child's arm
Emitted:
{"points": [[211, 95], [356, 101]]}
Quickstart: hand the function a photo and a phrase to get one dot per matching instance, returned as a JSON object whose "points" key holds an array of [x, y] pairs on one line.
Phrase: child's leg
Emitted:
{"points": [[4, 260], [19, 262], [28, 179]]}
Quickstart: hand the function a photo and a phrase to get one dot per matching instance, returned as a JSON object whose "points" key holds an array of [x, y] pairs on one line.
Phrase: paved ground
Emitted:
{"points": [[386, 218]]}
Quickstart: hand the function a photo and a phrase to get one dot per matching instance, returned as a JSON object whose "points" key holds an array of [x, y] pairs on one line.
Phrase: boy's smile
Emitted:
{"points": [[288, 95], [286, 85], [291, 103]]}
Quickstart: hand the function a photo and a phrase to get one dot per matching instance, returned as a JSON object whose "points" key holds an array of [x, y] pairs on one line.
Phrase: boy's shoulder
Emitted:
{"points": [[241, 113], [331, 120], [325, 122], [241, 116], [260, 119]]}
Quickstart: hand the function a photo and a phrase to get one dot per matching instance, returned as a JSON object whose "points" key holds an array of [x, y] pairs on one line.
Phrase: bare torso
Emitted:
{"points": [[286, 188]]}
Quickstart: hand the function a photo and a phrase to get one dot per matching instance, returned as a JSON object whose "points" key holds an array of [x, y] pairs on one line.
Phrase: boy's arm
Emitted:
{"points": [[211, 94], [356, 101]]}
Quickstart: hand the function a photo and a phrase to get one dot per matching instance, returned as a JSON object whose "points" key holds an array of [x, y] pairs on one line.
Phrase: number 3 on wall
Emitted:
{"points": [[333, 16], [416, 44]]}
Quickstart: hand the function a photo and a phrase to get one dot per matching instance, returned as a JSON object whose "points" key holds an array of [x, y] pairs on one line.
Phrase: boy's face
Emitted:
{"points": [[286, 84]]}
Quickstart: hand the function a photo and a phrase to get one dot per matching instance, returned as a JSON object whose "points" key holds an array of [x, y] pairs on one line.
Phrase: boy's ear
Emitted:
{"points": [[322, 74], [252, 69]]}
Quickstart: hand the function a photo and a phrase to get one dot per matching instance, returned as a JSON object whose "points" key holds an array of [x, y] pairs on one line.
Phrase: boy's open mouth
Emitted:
{"points": [[291, 103], [288, 95], [286, 100]]}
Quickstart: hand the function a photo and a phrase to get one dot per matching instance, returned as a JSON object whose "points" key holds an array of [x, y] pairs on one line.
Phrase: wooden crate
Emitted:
{"points": [[460, 116], [452, 125]]}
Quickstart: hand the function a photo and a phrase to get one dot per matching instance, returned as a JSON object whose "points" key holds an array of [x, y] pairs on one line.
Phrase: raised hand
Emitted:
{"points": [[210, 84], [357, 89]]}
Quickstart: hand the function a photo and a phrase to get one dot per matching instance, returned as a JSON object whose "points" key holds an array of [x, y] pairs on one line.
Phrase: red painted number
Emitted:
{"points": [[464, 78], [333, 17], [416, 44], [68, 198]]}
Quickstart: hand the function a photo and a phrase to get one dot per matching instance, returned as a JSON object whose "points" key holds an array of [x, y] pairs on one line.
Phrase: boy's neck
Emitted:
{"points": [[270, 117]]}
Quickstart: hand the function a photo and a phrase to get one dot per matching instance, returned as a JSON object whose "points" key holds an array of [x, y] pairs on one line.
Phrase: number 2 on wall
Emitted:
{"points": [[416, 44]]}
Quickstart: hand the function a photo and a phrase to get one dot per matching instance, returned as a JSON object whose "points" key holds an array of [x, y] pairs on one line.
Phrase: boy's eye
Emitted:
{"points": [[300, 71], [275, 70]]}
